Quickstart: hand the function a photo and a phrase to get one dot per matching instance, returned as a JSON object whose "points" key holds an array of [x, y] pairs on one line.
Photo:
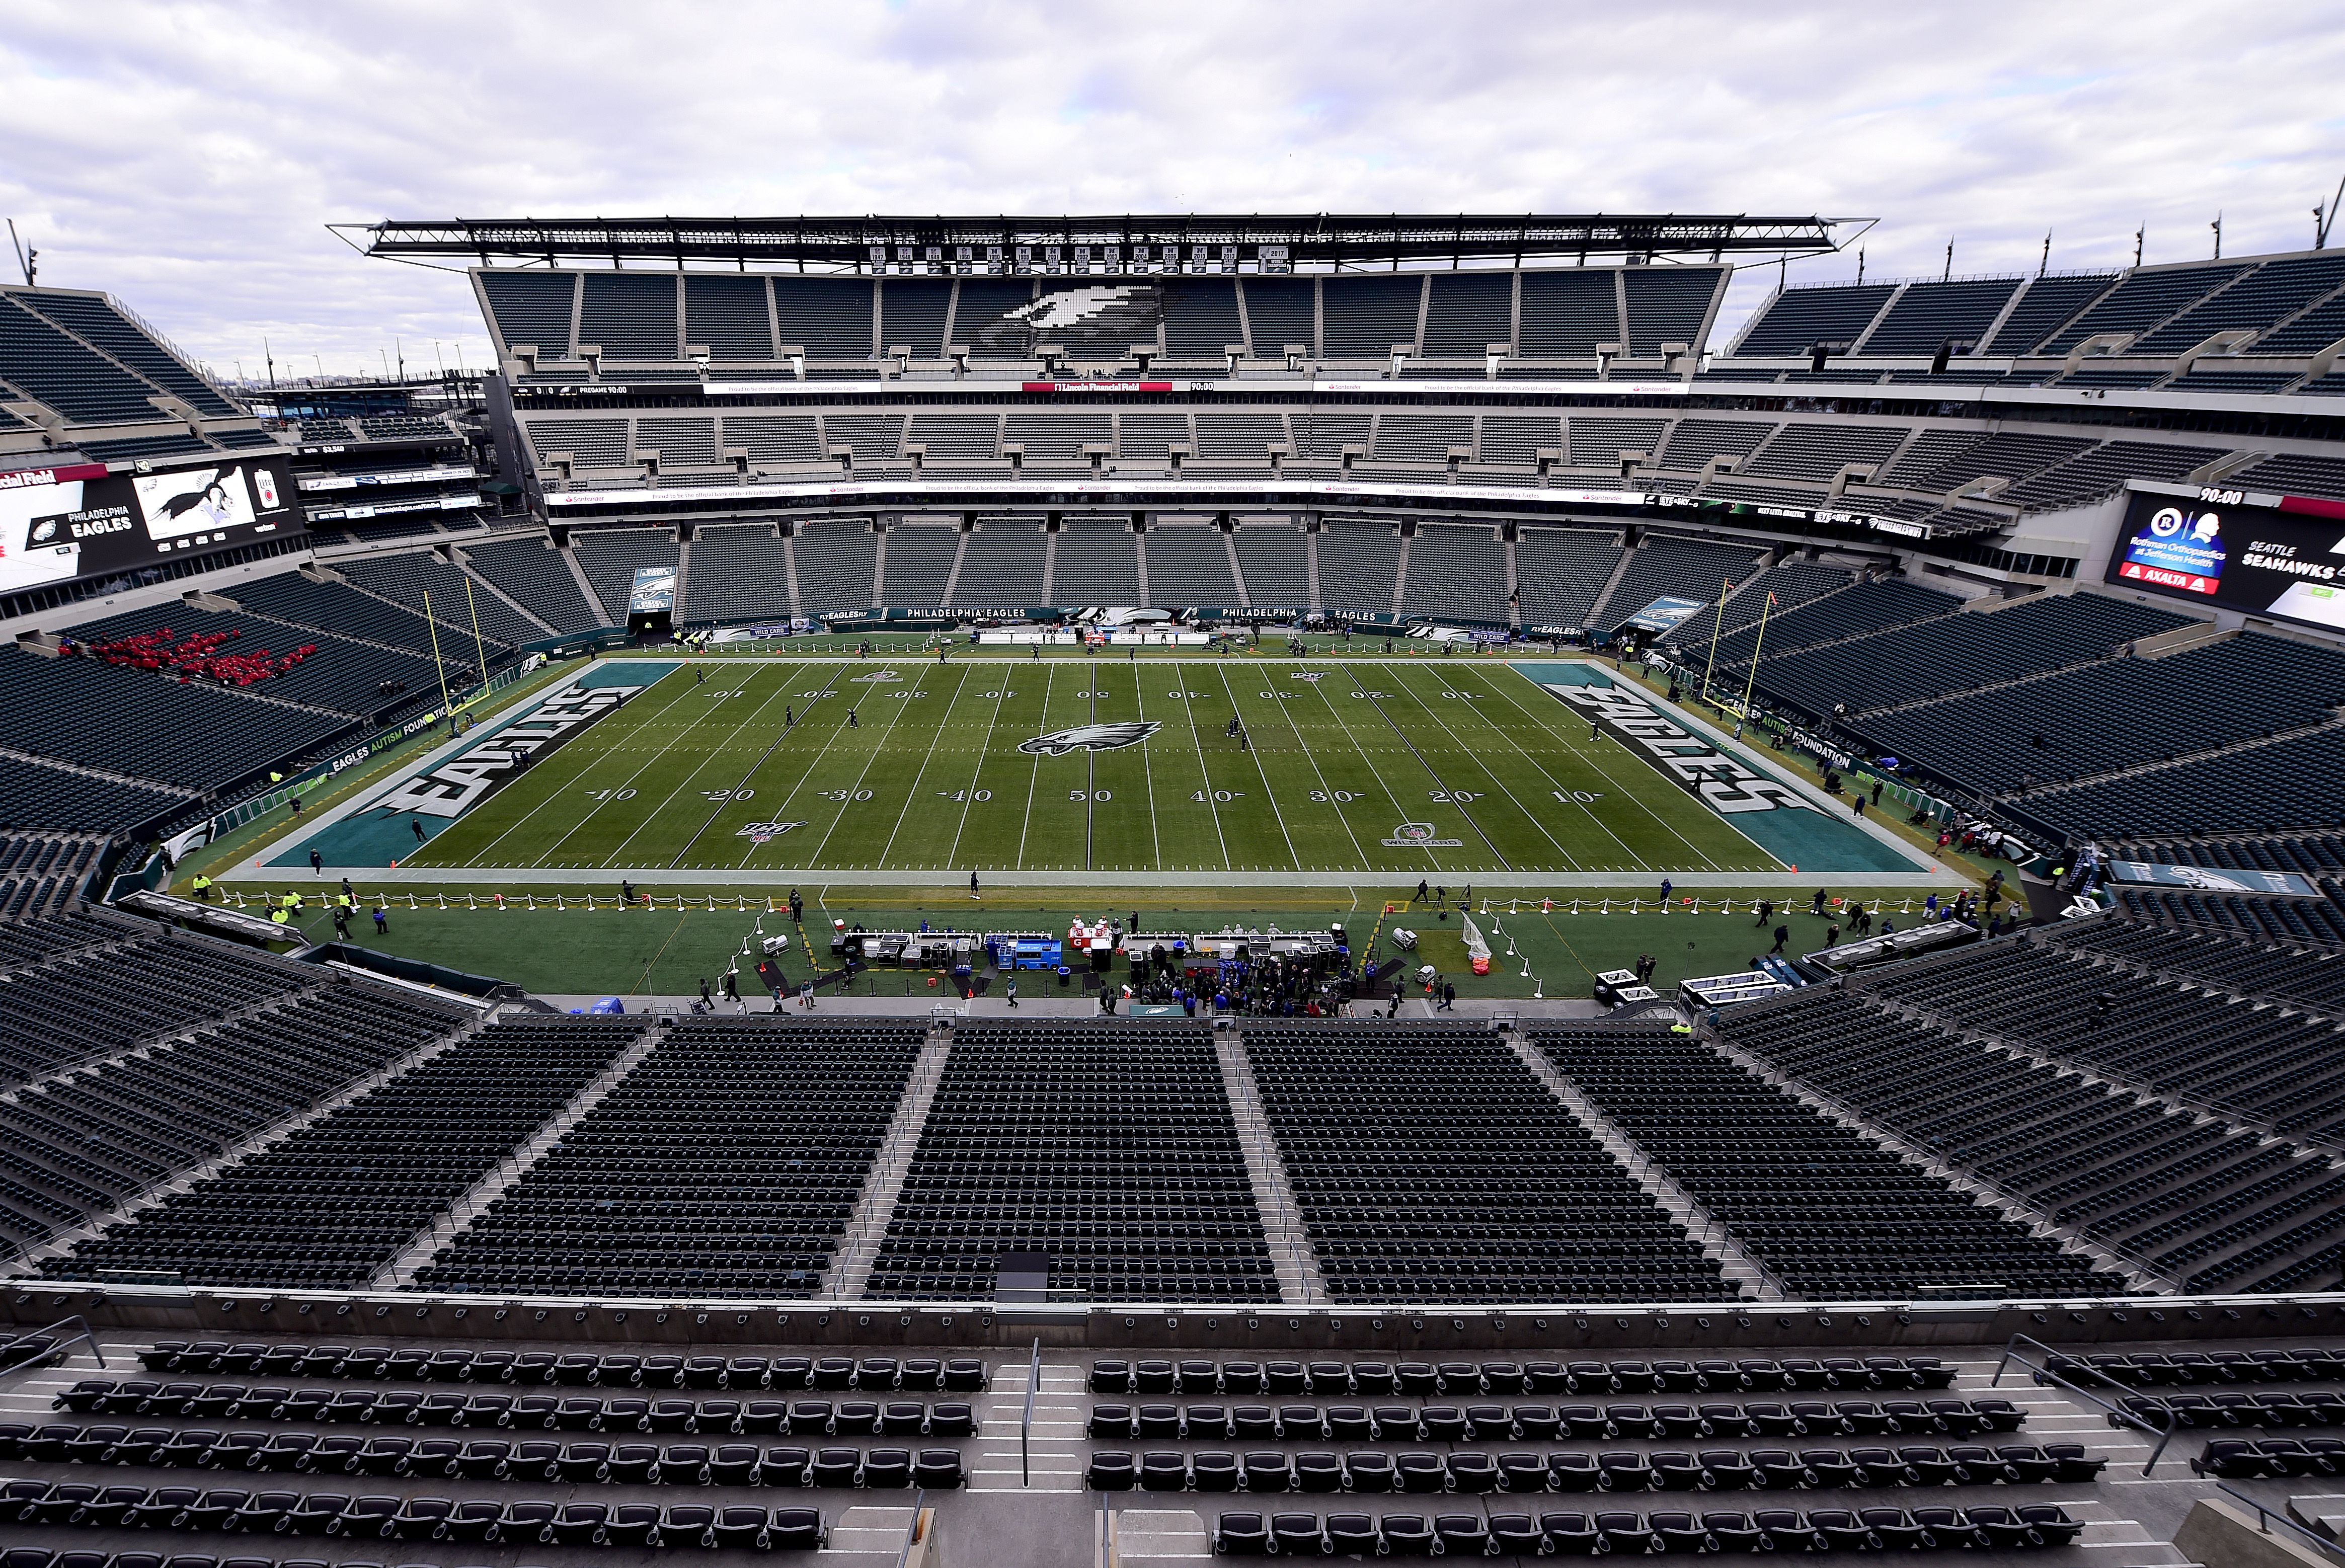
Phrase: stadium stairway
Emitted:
{"points": [[2011, 1207], [867, 1227], [1297, 1267], [1750, 1277], [128, 1212], [400, 1272]]}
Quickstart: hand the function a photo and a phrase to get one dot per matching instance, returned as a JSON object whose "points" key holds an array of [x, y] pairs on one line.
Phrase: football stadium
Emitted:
{"points": [[915, 889]]}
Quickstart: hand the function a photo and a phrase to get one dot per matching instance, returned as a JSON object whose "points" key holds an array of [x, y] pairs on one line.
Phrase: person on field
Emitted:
{"points": [[1783, 936], [415, 826], [381, 920]]}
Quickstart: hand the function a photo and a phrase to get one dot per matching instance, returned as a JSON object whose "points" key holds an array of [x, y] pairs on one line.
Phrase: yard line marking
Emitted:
{"points": [[1599, 754], [609, 749], [1488, 772], [1026, 823], [1377, 703], [864, 772], [1091, 764], [600, 805], [1292, 859], [1598, 822], [1148, 775], [812, 762], [1362, 753], [977, 768], [1204, 774], [1324, 787], [779, 689], [921, 772]]}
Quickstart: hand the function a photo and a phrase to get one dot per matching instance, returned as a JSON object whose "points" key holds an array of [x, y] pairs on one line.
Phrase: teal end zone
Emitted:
{"points": [[1809, 841], [361, 836]]}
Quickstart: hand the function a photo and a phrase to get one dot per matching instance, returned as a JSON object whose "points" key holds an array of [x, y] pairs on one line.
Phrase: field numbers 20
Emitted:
{"points": [[1458, 797], [724, 795]]}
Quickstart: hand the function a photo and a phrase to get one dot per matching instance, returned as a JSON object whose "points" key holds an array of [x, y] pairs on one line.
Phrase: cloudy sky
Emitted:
{"points": [[188, 157]]}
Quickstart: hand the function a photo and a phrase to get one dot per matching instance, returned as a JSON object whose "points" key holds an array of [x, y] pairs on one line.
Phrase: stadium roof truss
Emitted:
{"points": [[1321, 242]]}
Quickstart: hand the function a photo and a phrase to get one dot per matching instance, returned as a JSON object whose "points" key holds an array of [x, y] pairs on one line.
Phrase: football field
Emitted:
{"points": [[1392, 769]]}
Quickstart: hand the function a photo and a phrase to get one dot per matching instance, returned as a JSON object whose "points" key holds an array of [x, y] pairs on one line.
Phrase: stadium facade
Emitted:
{"points": [[2056, 551]]}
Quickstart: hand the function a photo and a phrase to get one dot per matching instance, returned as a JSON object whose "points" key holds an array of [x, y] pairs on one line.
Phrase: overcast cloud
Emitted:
{"points": [[187, 158]]}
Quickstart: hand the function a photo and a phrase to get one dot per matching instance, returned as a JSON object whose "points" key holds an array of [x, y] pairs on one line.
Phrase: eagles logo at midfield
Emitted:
{"points": [[1092, 738]]}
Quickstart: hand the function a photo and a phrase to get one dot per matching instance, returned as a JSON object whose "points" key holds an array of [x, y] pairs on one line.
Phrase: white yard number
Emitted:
{"points": [[1224, 796], [1378, 695], [1459, 796], [610, 794], [1091, 795], [846, 794], [1190, 695], [1341, 797], [729, 794], [996, 695], [1569, 796], [1460, 696], [965, 794]]}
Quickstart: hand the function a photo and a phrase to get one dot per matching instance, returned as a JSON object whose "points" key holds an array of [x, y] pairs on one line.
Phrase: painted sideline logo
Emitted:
{"points": [[758, 832], [1092, 738], [463, 781], [1419, 836], [1701, 768]]}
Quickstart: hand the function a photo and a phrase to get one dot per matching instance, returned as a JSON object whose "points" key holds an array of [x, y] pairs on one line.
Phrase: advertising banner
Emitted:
{"points": [[2222, 549], [57, 523]]}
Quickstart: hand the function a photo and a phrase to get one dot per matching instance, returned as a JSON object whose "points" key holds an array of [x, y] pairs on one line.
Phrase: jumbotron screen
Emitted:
{"points": [[58, 524], [2281, 562]]}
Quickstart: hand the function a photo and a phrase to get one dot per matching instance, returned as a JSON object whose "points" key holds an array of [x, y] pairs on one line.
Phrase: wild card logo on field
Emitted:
{"points": [[758, 832], [1092, 738], [1308, 675], [880, 675], [1419, 836]]}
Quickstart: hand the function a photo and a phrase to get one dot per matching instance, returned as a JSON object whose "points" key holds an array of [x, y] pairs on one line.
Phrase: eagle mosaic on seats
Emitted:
{"points": [[1045, 866]]}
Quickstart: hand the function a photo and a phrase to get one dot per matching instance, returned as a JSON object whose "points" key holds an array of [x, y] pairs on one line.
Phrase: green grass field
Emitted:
{"points": [[1390, 768]]}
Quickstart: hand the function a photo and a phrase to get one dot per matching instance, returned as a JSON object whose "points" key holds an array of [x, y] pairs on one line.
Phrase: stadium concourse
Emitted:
{"points": [[1442, 564]]}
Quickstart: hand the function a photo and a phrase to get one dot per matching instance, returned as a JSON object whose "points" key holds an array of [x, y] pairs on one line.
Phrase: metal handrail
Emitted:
{"points": [[85, 1336], [2264, 1516], [912, 1531], [1026, 1426], [2118, 1415]]}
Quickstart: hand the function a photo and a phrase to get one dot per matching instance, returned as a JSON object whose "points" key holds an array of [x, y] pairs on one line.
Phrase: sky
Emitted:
{"points": [[187, 157]]}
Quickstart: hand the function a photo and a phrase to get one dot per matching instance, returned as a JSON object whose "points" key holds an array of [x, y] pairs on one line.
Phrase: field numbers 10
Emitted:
{"points": [[610, 794]]}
